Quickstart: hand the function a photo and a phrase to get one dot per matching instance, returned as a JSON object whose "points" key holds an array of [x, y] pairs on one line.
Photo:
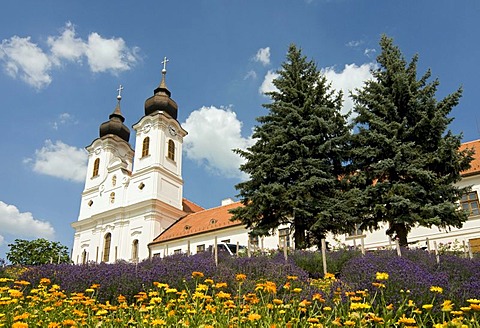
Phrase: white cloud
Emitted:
{"points": [[60, 160], [263, 56], [64, 119], [66, 46], [109, 54], [250, 75], [354, 43], [369, 52], [352, 77], [23, 58], [23, 224], [213, 134], [267, 84], [26, 60]]}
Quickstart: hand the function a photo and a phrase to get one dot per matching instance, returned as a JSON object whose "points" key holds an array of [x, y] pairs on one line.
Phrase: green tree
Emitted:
{"points": [[295, 163], [405, 159], [38, 251]]}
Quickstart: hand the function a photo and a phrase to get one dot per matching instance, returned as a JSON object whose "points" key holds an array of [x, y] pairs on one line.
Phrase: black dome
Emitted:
{"points": [[161, 101], [115, 126]]}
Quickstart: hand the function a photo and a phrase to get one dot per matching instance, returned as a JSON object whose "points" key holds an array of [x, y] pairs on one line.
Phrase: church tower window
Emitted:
{"points": [[112, 197], [146, 145], [135, 251], [96, 166], [171, 150], [106, 247]]}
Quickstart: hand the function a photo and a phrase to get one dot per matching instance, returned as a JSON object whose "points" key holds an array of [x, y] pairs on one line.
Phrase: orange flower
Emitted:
{"points": [[240, 277], [197, 274]]}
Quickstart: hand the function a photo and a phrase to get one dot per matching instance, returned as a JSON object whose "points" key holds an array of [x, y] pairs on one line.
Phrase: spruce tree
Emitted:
{"points": [[405, 160], [295, 164]]}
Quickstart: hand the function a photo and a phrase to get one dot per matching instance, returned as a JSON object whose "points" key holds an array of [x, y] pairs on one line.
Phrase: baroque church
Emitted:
{"points": [[132, 196], [132, 207]]}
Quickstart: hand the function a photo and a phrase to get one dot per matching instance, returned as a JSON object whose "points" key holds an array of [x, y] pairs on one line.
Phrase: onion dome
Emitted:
{"points": [[161, 101], [115, 125]]}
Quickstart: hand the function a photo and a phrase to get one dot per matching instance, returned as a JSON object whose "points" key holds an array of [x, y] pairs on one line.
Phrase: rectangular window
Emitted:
{"points": [[284, 238], [177, 251], [475, 245], [200, 248], [470, 204]]}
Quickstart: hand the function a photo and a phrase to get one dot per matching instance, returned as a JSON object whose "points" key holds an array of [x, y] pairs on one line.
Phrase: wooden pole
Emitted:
{"points": [[470, 253], [397, 245], [362, 245], [215, 251], [188, 248], [249, 254], [238, 248], [428, 244], [435, 248], [324, 257]]}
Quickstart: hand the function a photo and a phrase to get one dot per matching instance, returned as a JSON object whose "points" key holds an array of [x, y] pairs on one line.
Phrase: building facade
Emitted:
{"points": [[132, 207]]}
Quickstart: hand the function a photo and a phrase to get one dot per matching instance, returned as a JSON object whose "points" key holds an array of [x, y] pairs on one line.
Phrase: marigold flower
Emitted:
{"points": [[26, 283], [240, 277], [313, 320], [297, 290], [318, 297], [209, 281], [406, 321], [53, 325], [349, 323], [292, 277], [381, 276], [158, 322], [20, 325], [427, 306], [378, 285], [327, 308], [447, 306], [197, 274], [220, 285], [254, 316], [473, 300], [277, 301], [475, 307], [68, 322], [359, 306], [389, 307], [223, 295], [436, 289]]}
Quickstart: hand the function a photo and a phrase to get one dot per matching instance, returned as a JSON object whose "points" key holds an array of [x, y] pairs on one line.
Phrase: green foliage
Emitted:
{"points": [[295, 164], [405, 159], [38, 251]]}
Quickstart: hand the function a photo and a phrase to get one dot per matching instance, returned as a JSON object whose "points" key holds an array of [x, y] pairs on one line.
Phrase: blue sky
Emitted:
{"points": [[62, 61]]}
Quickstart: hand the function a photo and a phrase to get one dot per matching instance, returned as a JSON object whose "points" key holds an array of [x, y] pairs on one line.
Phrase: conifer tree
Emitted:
{"points": [[295, 164], [405, 159]]}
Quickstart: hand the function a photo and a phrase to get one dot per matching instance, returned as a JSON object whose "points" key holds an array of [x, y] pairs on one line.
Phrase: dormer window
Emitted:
{"points": [[171, 150], [96, 166], [213, 221], [146, 145]]}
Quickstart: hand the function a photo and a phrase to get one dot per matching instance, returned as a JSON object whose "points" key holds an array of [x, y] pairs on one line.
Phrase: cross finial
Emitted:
{"points": [[164, 62], [120, 88]]}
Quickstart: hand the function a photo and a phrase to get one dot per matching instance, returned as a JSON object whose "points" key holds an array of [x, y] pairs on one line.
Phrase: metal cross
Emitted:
{"points": [[120, 88], [164, 62]]}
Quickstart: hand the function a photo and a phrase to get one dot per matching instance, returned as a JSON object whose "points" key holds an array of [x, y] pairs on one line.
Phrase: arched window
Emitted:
{"points": [[96, 166], [106, 247], [84, 256], [135, 251], [171, 150], [146, 145]]}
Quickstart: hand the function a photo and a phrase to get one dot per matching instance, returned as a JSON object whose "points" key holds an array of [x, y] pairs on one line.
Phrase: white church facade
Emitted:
{"points": [[132, 207]]}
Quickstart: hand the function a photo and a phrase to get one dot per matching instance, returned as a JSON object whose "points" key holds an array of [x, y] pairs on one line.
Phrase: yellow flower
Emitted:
{"points": [[378, 284], [45, 281], [158, 322], [427, 306], [220, 285], [381, 276], [54, 325], [101, 312], [359, 306], [447, 306], [475, 307], [436, 289], [411, 303], [277, 301], [313, 320], [222, 295], [68, 322], [327, 308], [473, 301], [406, 321], [240, 277], [389, 307], [349, 323], [20, 325], [254, 316], [297, 290], [89, 290], [209, 281], [196, 274]]}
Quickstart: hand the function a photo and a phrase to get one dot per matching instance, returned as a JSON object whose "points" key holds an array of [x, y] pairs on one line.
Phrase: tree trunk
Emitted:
{"points": [[399, 231], [299, 234]]}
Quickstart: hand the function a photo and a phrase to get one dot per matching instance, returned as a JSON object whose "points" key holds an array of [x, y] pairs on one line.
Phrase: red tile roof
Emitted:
{"points": [[200, 222], [475, 163], [191, 207]]}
